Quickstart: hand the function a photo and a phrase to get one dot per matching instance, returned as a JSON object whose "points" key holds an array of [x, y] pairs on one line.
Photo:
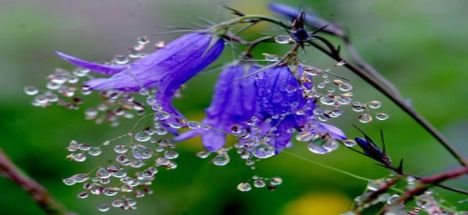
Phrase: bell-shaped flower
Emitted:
{"points": [[165, 70], [233, 104], [283, 108]]}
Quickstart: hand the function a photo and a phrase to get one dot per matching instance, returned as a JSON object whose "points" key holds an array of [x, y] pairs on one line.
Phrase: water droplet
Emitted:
{"points": [[275, 181], [340, 63], [382, 116], [327, 100], [345, 87], [374, 185], [358, 107], [244, 187], [365, 118], [375, 104], [80, 157], [171, 154], [143, 40], [143, 136], [263, 151], [141, 152], [259, 183], [317, 149], [80, 178], [111, 191], [193, 125], [83, 195], [31, 91], [117, 203], [271, 57], [203, 154], [120, 149], [160, 44], [95, 151], [103, 173], [69, 181], [349, 142], [221, 159], [283, 39], [331, 145], [392, 199], [104, 208]]}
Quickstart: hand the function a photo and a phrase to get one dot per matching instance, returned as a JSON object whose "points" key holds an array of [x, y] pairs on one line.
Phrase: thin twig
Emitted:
{"points": [[398, 100], [38, 193]]}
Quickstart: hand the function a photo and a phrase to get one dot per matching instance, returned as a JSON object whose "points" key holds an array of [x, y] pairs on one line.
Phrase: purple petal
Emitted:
{"points": [[95, 67], [213, 140]]}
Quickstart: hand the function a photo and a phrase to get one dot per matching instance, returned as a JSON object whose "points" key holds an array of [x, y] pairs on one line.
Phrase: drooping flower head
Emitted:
{"points": [[233, 103], [283, 108], [165, 70]]}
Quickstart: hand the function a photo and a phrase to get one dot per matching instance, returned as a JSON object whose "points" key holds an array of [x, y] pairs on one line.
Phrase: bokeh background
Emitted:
{"points": [[420, 45]]}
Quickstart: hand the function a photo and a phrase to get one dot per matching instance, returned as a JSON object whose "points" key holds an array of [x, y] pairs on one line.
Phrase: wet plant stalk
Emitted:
{"points": [[37, 192]]}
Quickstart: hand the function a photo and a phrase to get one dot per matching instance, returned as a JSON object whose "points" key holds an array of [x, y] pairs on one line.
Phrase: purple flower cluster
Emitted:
{"points": [[261, 109]]}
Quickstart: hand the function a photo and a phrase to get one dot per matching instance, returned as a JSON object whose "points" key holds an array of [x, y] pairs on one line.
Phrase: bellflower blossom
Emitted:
{"points": [[166, 69], [233, 103], [284, 109]]}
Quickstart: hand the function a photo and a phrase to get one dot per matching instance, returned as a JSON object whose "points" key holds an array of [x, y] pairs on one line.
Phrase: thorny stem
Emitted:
{"points": [[398, 100], [38, 193]]}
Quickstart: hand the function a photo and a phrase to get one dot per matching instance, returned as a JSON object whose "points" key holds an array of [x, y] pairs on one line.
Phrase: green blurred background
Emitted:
{"points": [[420, 45]]}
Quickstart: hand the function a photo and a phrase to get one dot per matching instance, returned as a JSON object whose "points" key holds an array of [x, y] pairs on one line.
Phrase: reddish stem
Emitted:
{"points": [[37, 192]]}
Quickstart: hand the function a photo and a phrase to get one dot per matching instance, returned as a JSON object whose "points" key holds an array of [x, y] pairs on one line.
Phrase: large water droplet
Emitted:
{"points": [[317, 149], [141, 152], [271, 57], [259, 183], [203, 154], [31, 91], [142, 136], [120, 149], [103, 173], [365, 118], [263, 151], [221, 159], [381, 116], [95, 151], [375, 104], [104, 208], [275, 181], [244, 187], [283, 39], [349, 142]]}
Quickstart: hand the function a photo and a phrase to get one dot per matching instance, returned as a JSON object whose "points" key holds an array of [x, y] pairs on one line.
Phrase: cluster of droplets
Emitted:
{"points": [[260, 182], [62, 88], [333, 93], [130, 174], [114, 106]]}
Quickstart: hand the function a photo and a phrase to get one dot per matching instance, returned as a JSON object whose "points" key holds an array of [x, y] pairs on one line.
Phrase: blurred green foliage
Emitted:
{"points": [[421, 46]]}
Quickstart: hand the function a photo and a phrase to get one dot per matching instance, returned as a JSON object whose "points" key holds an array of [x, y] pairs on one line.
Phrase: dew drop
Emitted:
{"points": [[143, 40], [83, 195], [31, 91], [193, 125], [95, 151], [203, 154], [358, 107], [103, 173], [244, 187], [271, 57], [381, 116], [375, 104], [275, 181], [80, 157], [263, 151], [365, 118], [221, 159], [392, 199], [259, 183], [69, 181], [141, 152], [104, 208], [283, 39], [345, 87], [317, 149], [120, 149], [142, 136], [349, 143], [117, 203], [171, 154]]}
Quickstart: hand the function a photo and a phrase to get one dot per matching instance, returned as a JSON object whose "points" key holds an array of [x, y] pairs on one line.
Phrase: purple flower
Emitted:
{"points": [[311, 20], [283, 109], [165, 70], [233, 103]]}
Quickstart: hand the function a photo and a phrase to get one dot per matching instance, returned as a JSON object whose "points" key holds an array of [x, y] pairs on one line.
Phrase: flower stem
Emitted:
{"points": [[37, 192], [396, 98]]}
